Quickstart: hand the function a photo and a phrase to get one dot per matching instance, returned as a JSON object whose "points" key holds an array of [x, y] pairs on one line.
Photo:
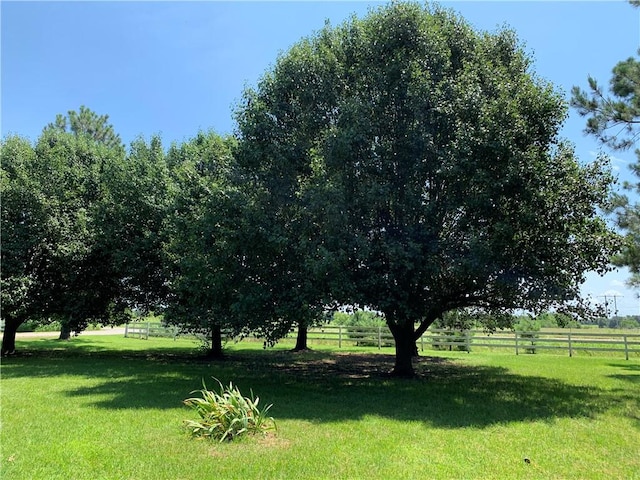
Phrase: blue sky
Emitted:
{"points": [[174, 68]]}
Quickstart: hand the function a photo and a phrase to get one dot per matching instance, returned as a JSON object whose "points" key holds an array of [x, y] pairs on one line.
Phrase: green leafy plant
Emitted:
{"points": [[528, 329], [227, 415], [362, 326], [450, 336]]}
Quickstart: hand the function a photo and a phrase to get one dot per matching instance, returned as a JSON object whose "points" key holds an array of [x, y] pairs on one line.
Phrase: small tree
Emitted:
{"points": [[204, 241], [26, 224]]}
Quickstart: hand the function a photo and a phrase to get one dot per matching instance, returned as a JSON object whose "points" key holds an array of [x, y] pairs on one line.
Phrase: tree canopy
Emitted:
{"points": [[427, 158], [86, 122], [81, 224], [203, 241], [402, 163]]}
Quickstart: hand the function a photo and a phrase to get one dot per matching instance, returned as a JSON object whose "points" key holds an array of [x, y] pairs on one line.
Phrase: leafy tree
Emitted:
{"points": [[26, 223], [289, 271], [615, 121], [81, 229], [424, 157], [78, 284], [50, 266], [119, 201], [204, 246], [131, 215]]}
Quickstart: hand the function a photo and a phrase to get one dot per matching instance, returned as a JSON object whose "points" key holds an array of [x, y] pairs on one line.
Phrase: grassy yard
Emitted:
{"points": [[111, 408]]}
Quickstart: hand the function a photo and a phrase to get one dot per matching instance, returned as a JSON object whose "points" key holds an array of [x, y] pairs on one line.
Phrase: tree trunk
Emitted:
{"points": [[216, 342], [65, 331], [9, 337], [404, 337], [416, 352], [301, 339]]}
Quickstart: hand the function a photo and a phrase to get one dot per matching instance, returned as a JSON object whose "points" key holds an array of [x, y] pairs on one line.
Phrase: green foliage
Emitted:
{"points": [[629, 323], [456, 324], [204, 238], [619, 112], [528, 327], [39, 326], [619, 322], [614, 120], [79, 282], [358, 318], [457, 337], [361, 325], [26, 229], [227, 415], [131, 215], [81, 223], [413, 166], [527, 324], [52, 266], [86, 122]]}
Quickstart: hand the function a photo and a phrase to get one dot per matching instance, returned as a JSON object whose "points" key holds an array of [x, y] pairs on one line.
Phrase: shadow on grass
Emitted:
{"points": [[322, 386], [633, 369]]}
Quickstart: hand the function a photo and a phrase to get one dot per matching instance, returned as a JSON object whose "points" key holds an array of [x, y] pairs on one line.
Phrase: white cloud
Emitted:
{"points": [[612, 293], [619, 160], [617, 283], [615, 161]]}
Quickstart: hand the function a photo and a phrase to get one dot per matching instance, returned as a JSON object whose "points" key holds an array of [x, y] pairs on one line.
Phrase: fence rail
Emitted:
{"points": [[149, 329], [570, 341]]}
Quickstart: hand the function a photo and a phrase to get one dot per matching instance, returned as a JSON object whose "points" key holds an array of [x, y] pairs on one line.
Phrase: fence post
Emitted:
{"points": [[126, 329], [148, 327], [570, 349], [626, 348], [516, 333], [467, 340], [379, 338], [339, 336], [422, 342]]}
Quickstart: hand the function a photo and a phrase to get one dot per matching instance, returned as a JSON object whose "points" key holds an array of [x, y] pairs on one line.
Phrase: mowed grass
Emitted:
{"points": [[107, 407]]}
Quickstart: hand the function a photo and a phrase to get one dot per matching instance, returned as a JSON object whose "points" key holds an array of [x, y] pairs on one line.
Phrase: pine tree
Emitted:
{"points": [[614, 119]]}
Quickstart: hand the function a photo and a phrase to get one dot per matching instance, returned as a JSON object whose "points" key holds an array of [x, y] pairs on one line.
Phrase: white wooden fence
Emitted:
{"points": [[149, 329], [567, 340]]}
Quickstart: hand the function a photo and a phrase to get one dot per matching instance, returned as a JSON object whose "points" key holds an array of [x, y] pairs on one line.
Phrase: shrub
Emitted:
{"points": [[359, 318], [528, 329], [227, 415], [363, 326], [457, 337], [629, 323]]}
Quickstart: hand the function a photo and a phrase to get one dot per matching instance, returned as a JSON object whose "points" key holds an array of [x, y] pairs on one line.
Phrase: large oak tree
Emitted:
{"points": [[415, 165]]}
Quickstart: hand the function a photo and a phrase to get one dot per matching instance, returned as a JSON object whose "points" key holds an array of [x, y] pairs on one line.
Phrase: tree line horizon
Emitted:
{"points": [[401, 162]]}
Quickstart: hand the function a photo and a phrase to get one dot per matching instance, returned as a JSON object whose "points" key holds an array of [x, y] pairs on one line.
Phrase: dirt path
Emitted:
{"points": [[104, 331]]}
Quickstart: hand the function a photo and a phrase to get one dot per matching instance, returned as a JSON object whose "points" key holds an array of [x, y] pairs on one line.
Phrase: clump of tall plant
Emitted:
{"points": [[528, 329], [227, 415]]}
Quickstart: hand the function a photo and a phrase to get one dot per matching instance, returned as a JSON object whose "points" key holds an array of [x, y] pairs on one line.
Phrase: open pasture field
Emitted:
{"points": [[106, 407]]}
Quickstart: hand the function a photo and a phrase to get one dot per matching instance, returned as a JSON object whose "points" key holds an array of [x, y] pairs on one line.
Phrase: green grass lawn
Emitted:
{"points": [[111, 408]]}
